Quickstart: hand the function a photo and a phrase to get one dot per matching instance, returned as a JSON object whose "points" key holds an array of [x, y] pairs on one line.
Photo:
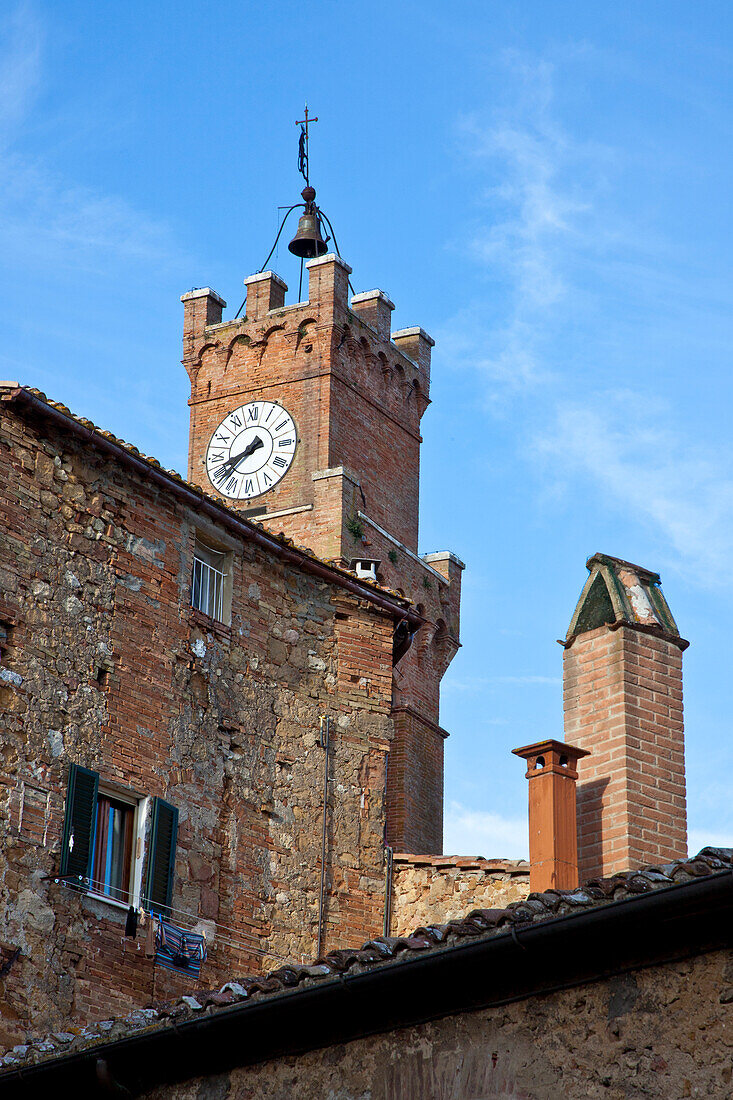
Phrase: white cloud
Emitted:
{"points": [[685, 493], [547, 224], [537, 212], [534, 208], [21, 42], [470, 832], [45, 220]]}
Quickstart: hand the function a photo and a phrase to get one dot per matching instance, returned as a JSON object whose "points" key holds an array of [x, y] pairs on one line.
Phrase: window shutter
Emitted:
{"points": [[161, 857], [77, 847]]}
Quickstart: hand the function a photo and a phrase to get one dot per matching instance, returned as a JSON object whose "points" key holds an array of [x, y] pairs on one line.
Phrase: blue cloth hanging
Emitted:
{"points": [[179, 950]]}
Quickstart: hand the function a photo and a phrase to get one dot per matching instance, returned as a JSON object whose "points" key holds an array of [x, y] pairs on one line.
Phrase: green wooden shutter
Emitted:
{"points": [[161, 857], [77, 848]]}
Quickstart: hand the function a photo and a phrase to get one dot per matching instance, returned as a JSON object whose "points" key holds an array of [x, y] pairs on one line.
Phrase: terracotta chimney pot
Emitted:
{"points": [[553, 842]]}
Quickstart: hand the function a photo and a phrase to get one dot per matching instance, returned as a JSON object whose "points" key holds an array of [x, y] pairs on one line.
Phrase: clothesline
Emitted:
{"points": [[237, 937], [106, 891]]}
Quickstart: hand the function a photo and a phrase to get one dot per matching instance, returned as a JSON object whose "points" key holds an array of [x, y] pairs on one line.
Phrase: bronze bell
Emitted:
{"points": [[308, 242]]}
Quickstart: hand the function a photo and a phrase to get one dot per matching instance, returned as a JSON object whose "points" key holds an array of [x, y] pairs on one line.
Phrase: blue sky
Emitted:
{"points": [[544, 186]]}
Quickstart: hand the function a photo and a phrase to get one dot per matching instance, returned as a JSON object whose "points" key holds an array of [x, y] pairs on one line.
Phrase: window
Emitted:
{"points": [[103, 849], [211, 581], [112, 862]]}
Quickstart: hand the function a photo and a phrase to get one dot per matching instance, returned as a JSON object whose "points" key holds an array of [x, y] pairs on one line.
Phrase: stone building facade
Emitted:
{"points": [[111, 676], [637, 1036], [219, 705], [221, 701]]}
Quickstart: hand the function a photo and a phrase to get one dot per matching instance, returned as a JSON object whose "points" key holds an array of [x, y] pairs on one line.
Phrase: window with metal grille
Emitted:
{"points": [[210, 580]]}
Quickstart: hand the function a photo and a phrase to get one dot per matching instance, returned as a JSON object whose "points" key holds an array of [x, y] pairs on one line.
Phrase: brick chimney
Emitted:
{"points": [[622, 680], [553, 846]]}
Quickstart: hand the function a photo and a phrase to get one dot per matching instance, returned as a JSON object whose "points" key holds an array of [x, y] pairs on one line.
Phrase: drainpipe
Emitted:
{"points": [[389, 856], [325, 744]]}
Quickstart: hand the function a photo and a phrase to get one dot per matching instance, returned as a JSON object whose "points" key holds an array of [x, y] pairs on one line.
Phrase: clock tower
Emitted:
{"points": [[306, 418]]}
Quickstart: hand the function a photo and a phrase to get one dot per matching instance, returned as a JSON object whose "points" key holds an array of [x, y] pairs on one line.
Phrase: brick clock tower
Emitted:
{"points": [[306, 417]]}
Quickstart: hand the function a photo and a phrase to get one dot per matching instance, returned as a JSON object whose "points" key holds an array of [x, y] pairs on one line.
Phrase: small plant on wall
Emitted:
{"points": [[355, 527], [392, 555]]}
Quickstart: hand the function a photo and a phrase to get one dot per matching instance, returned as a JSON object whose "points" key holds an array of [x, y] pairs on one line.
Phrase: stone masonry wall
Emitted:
{"points": [[662, 1033], [434, 891], [106, 664]]}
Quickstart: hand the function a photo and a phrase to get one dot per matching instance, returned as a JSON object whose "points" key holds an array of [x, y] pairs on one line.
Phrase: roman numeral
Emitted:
{"points": [[285, 442], [248, 487], [218, 457], [224, 438], [272, 409], [267, 480], [253, 413], [282, 424], [235, 420], [278, 460], [231, 484]]}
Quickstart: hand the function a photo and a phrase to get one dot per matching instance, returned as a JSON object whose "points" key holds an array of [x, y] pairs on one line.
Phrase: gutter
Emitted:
{"points": [[215, 511], [667, 924]]}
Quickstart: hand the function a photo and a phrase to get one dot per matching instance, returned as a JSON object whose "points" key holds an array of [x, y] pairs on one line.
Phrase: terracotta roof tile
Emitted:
{"points": [[478, 863], [382, 950]]}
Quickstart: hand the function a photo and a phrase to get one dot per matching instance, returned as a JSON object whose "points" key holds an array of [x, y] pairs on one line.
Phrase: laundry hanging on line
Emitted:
{"points": [[179, 950], [131, 923]]}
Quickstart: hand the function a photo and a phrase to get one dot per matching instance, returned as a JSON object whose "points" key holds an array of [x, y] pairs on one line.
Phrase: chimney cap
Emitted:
{"points": [[619, 593], [560, 747]]}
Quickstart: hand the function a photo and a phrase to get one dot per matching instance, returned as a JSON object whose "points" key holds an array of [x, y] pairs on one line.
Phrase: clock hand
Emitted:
{"points": [[254, 446], [231, 464]]}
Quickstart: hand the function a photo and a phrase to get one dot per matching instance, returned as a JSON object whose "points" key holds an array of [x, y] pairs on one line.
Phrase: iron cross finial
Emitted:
{"points": [[303, 145]]}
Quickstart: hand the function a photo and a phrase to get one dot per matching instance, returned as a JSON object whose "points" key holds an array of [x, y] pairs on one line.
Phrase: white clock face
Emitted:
{"points": [[251, 450]]}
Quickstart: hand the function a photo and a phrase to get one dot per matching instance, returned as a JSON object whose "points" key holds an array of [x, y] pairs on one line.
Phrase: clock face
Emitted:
{"points": [[251, 450]]}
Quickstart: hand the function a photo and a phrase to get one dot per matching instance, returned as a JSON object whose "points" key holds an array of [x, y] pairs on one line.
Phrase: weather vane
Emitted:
{"points": [[303, 144], [311, 239]]}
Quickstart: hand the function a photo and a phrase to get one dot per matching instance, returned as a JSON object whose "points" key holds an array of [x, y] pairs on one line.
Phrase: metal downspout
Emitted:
{"points": [[389, 854], [326, 744]]}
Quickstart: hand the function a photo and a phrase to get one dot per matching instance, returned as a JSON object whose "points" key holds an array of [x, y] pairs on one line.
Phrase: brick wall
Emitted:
{"points": [[623, 702]]}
